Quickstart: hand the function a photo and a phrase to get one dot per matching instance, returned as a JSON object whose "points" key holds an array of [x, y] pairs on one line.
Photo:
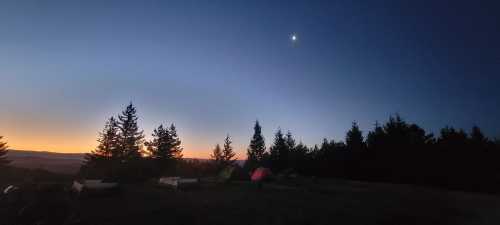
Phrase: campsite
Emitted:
{"points": [[294, 201], [301, 112]]}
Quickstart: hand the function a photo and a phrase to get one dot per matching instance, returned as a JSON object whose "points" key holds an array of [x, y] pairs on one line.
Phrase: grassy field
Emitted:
{"points": [[320, 202]]}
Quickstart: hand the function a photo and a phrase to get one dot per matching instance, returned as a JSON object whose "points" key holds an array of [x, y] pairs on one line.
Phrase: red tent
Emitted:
{"points": [[261, 174]]}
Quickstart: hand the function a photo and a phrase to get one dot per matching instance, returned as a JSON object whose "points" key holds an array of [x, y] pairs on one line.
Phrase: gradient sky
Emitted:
{"points": [[214, 67]]}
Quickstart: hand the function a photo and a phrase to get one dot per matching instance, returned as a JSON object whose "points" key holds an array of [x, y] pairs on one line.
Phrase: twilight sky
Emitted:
{"points": [[214, 67]]}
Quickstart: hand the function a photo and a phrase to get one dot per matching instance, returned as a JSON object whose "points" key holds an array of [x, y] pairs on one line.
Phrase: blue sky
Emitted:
{"points": [[214, 67]]}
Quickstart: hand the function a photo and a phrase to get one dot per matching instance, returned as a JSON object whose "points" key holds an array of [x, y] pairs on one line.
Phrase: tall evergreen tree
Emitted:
{"points": [[217, 156], [257, 148], [131, 139], [354, 139], [108, 143], [290, 141], [3, 153], [228, 153], [164, 148], [477, 137], [176, 148], [278, 152], [165, 144], [375, 138], [103, 160]]}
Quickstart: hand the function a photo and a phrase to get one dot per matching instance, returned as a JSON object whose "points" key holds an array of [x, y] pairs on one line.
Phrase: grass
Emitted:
{"points": [[308, 202]]}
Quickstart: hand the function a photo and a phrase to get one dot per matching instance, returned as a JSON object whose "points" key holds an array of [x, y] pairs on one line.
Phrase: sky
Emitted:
{"points": [[214, 67]]}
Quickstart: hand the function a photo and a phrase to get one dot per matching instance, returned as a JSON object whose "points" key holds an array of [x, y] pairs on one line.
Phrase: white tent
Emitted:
{"points": [[177, 182], [93, 185]]}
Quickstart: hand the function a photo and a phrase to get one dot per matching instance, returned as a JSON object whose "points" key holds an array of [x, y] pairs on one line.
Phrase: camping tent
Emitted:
{"points": [[261, 174], [178, 183], [93, 186], [226, 174]]}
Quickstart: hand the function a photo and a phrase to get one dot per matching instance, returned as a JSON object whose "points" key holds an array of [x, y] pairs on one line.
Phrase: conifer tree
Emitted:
{"points": [[278, 151], [228, 153], [108, 143], [290, 141], [354, 139], [130, 138], [3, 153], [176, 148], [217, 157], [375, 138], [164, 148], [477, 137], [165, 145], [257, 148]]}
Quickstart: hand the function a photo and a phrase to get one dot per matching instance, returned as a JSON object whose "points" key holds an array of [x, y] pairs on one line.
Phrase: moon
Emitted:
{"points": [[293, 37]]}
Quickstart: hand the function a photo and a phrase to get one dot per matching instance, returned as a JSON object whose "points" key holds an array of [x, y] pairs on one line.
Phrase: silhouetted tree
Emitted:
{"points": [[223, 158], [256, 150], [289, 155], [165, 147], [375, 138], [478, 140], [300, 158], [354, 139], [130, 138], [3, 153], [290, 141], [452, 139], [278, 152], [108, 142], [102, 159], [217, 157], [228, 153]]}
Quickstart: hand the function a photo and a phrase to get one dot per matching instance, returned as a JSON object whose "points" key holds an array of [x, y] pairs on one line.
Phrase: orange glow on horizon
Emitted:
{"points": [[34, 135], [46, 144]]}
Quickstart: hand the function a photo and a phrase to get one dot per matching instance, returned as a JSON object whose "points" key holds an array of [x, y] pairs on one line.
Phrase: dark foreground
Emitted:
{"points": [[322, 202]]}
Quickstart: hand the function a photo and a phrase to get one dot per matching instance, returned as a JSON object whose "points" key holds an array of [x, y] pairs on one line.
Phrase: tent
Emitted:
{"points": [[178, 182], [10, 189], [94, 186], [261, 174], [226, 174]]}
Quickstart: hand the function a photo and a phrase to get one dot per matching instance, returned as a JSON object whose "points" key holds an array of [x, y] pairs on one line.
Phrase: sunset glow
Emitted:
{"points": [[65, 68]]}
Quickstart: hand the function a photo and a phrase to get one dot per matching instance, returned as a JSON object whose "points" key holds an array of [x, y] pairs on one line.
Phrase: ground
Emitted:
{"points": [[319, 202]]}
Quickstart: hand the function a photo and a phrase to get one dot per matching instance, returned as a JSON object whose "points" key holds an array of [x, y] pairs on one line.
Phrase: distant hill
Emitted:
{"points": [[67, 163]]}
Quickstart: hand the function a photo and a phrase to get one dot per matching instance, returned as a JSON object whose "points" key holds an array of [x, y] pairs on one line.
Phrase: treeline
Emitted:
{"points": [[124, 154], [397, 152]]}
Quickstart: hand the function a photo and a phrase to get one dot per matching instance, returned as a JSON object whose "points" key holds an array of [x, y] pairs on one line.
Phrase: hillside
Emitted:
{"points": [[67, 163]]}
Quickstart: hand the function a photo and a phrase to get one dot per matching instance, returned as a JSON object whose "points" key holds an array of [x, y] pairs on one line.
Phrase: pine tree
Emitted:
{"points": [[217, 157], [290, 141], [354, 139], [176, 148], [159, 147], [228, 153], [477, 137], [165, 144], [375, 138], [3, 153], [278, 152], [257, 149], [108, 143], [131, 139], [289, 156], [164, 148], [299, 157]]}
